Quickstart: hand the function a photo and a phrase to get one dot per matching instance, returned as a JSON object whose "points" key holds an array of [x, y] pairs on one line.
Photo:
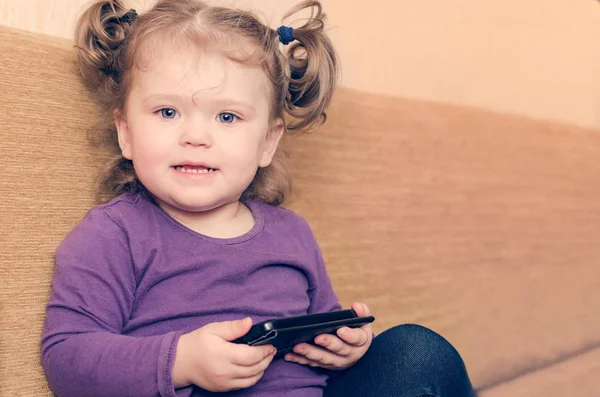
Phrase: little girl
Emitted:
{"points": [[190, 246]]}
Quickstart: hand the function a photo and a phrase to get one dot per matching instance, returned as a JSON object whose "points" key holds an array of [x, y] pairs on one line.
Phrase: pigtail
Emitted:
{"points": [[313, 69], [100, 38], [101, 41]]}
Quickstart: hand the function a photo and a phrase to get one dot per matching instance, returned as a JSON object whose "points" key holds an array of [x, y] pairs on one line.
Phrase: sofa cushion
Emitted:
{"points": [[575, 375]]}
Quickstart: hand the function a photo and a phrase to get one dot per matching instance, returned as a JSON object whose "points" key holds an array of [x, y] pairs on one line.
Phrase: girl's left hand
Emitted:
{"points": [[336, 352]]}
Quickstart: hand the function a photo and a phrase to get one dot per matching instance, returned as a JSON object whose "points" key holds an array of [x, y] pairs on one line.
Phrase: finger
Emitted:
{"points": [[253, 370], [244, 383], [251, 355], [298, 359], [354, 336], [231, 330], [334, 345], [317, 354], [362, 310]]}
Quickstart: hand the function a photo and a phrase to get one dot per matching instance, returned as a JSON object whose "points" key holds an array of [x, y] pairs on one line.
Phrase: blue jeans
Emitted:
{"points": [[405, 361]]}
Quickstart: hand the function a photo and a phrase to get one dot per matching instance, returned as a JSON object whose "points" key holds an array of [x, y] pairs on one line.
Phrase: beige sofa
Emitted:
{"points": [[483, 227]]}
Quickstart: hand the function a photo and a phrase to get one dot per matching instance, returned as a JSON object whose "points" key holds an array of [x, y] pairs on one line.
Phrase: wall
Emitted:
{"points": [[537, 57]]}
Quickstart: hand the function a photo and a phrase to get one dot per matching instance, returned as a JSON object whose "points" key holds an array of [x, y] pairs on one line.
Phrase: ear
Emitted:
{"points": [[123, 135], [271, 141]]}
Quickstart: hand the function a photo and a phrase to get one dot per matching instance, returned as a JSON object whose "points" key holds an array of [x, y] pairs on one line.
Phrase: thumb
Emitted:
{"points": [[361, 309], [230, 330]]}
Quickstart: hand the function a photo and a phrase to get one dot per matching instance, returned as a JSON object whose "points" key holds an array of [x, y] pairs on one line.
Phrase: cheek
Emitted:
{"points": [[148, 155], [244, 149], [150, 148]]}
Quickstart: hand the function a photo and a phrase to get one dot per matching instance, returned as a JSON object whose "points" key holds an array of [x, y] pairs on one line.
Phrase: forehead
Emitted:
{"points": [[191, 71]]}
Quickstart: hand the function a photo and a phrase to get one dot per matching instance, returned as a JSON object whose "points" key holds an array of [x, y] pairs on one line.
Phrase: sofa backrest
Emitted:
{"points": [[483, 227]]}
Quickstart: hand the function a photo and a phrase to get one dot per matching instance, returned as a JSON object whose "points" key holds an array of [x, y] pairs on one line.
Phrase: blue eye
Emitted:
{"points": [[168, 113], [227, 118]]}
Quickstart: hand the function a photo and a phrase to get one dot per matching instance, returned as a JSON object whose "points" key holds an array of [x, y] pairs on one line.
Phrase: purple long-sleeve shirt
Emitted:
{"points": [[129, 280]]}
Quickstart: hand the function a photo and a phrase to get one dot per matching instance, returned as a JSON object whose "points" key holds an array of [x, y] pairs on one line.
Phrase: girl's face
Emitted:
{"points": [[197, 128]]}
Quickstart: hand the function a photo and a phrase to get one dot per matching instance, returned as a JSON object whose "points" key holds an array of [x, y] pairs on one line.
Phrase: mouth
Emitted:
{"points": [[194, 169]]}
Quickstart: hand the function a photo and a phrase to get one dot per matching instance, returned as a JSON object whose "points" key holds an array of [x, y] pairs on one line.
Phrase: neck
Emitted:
{"points": [[226, 221]]}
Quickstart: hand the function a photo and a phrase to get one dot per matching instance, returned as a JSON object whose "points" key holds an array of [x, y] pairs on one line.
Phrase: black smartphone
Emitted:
{"points": [[285, 333]]}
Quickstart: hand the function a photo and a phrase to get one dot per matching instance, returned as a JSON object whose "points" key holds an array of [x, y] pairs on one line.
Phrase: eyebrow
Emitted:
{"points": [[217, 102]]}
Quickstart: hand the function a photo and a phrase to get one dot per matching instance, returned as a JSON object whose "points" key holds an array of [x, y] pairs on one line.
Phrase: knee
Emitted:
{"points": [[419, 348]]}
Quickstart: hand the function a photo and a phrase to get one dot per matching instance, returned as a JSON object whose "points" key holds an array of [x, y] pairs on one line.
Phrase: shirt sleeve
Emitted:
{"points": [[84, 352]]}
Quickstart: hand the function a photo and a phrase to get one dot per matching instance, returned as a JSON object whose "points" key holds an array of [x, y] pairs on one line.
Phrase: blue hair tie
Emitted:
{"points": [[286, 35]]}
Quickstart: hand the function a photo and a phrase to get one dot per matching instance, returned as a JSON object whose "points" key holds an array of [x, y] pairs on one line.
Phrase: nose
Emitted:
{"points": [[196, 133]]}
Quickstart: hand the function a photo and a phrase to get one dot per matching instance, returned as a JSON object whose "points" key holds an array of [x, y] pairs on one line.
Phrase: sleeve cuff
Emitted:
{"points": [[166, 360]]}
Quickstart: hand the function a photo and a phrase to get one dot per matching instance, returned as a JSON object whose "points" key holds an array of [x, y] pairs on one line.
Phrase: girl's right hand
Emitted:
{"points": [[207, 358]]}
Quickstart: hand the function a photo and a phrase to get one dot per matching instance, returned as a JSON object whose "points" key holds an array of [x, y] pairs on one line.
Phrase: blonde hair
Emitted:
{"points": [[110, 39]]}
